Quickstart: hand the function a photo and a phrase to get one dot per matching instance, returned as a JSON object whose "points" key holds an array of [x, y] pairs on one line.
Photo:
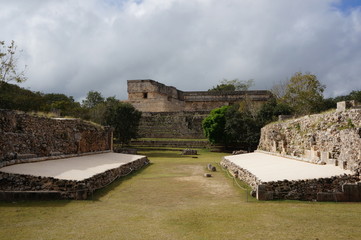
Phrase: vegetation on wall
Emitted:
{"points": [[232, 85]]}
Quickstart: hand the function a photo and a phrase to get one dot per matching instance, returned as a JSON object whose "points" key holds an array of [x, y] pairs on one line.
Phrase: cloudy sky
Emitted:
{"points": [[74, 46]]}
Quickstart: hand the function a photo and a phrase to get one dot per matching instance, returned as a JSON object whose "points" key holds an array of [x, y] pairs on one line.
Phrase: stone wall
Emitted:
{"points": [[171, 144], [329, 138], [20, 186], [322, 189], [184, 125], [151, 96], [23, 136]]}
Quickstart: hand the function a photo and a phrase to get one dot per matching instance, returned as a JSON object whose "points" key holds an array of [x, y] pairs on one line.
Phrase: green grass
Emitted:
{"points": [[170, 199]]}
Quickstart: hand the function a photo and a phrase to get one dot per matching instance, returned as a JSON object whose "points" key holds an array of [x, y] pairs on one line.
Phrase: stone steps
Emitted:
{"points": [[170, 144]]}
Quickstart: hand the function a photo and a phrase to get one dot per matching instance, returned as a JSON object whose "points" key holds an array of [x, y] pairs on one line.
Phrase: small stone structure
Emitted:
{"points": [[189, 152], [211, 167], [302, 189], [20, 186], [329, 138]]}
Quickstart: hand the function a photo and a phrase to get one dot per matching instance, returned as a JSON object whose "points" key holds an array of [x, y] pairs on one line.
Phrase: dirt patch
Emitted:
{"points": [[215, 185]]}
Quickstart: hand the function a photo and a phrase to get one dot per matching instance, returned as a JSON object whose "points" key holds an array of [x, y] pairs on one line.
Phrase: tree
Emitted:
{"points": [[14, 97], [124, 118], [97, 113], [279, 89], [8, 64], [214, 125], [93, 98], [304, 93], [270, 111], [232, 85], [242, 128], [232, 127]]}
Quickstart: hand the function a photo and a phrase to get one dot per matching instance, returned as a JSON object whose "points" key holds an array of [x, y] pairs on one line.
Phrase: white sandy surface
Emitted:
{"points": [[268, 167], [75, 168]]}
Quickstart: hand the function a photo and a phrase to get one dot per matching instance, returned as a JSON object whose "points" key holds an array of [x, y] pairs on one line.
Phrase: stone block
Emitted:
{"points": [[189, 152], [211, 168], [341, 106]]}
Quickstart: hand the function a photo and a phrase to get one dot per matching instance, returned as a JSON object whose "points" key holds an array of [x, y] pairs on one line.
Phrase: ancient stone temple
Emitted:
{"points": [[172, 113], [151, 96]]}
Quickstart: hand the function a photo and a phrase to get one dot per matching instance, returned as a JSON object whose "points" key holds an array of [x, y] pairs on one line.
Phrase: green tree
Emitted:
{"points": [[62, 105], [304, 93], [97, 113], [14, 97], [124, 118], [93, 98], [232, 127], [8, 64], [214, 125], [232, 85], [270, 111], [242, 129]]}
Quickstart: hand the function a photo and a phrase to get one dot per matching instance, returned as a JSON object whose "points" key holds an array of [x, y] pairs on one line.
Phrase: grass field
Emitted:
{"points": [[170, 199]]}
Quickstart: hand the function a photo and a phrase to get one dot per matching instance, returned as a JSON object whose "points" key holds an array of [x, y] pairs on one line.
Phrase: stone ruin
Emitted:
{"points": [[333, 138], [150, 96], [189, 152], [171, 113], [25, 139], [328, 138]]}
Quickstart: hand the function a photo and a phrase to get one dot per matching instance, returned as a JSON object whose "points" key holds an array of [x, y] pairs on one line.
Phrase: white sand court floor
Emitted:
{"points": [[267, 167], [74, 168]]}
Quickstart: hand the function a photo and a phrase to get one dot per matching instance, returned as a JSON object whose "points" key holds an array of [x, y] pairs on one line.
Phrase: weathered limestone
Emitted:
{"points": [[189, 152], [302, 189], [329, 138], [170, 113], [20, 186], [28, 139], [150, 96], [23, 136], [181, 125]]}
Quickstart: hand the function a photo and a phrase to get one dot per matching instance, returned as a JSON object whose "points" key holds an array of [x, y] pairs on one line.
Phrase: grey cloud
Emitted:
{"points": [[76, 46]]}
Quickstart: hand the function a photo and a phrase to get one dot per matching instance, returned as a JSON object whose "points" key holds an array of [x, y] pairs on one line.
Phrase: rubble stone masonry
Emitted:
{"points": [[328, 138], [333, 137], [23, 136]]}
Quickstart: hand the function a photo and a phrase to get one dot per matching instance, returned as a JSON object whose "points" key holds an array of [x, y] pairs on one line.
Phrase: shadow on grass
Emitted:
{"points": [[105, 190], [36, 203]]}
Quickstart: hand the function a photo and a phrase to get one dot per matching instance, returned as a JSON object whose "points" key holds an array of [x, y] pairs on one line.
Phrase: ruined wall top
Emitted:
{"points": [[344, 105], [329, 138], [151, 86]]}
